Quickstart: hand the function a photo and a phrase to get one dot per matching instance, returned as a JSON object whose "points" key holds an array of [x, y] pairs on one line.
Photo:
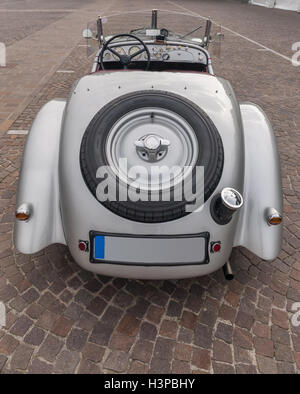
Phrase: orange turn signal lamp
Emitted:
{"points": [[273, 217], [23, 212]]}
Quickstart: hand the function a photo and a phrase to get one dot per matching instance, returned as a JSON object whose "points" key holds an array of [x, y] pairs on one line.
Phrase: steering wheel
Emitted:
{"points": [[124, 59]]}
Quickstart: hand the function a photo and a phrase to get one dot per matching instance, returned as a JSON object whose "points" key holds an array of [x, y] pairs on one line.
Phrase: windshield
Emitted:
{"points": [[180, 26]]}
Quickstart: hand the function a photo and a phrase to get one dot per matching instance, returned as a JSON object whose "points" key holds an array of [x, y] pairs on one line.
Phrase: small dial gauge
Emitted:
{"points": [[107, 56], [157, 51], [120, 51], [132, 51]]}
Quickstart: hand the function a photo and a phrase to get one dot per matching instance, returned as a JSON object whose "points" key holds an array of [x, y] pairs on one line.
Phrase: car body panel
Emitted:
{"points": [[262, 186], [81, 212], [38, 182], [65, 211]]}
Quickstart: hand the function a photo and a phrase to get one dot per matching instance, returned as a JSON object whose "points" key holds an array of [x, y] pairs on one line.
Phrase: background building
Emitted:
{"points": [[293, 5]]}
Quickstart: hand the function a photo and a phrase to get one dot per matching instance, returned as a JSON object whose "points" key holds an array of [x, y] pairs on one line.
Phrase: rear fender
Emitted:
{"points": [[38, 182], [262, 186]]}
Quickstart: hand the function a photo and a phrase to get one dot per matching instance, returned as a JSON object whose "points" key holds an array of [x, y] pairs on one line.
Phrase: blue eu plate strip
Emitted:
{"points": [[99, 247]]}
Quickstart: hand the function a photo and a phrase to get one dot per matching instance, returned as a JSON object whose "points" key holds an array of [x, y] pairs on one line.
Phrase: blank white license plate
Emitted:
{"points": [[149, 250]]}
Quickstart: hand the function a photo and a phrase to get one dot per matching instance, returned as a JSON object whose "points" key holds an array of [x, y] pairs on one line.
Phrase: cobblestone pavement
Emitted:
{"points": [[34, 52], [63, 319], [19, 20]]}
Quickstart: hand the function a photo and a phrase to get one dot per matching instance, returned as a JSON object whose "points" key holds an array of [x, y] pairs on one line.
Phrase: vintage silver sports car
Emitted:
{"points": [[151, 168]]}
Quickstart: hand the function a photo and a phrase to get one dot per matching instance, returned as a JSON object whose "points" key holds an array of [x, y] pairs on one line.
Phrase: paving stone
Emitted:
{"points": [[35, 336], [261, 330], [224, 369], [203, 336], [264, 346], [8, 344], [108, 292], [222, 352], [280, 335], [76, 339], [140, 308], [87, 321], [160, 366], [47, 300], [97, 306], [193, 303], [232, 298], [37, 280], [280, 318], [30, 295], [112, 316], [183, 352], [34, 311], [101, 334], [40, 367], [83, 297], [93, 352], [57, 287], [283, 353], [180, 367], [285, 368], [21, 357], [261, 316], [11, 318], [244, 320], [46, 320], [296, 342], [227, 313], [93, 285], [21, 326], [18, 303], [142, 351], [246, 369], [242, 338], [136, 367], [188, 320], [266, 365], [129, 325], [74, 311], [201, 359], [297, 359], [185, 335], [50, 348], [62, 326], [121, 342], [159, 298], [168, 329], [74, 283], [224, 332], [88, 367], [179, 294], [123, 299], [66, 362], [116, 361], [174, 309], [242, 355], [163, 349], [148, 331], [3, 360], [155, 313]]}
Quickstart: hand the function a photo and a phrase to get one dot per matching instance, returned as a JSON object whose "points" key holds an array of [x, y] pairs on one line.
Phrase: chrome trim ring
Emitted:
{"points": [[231, 198]]}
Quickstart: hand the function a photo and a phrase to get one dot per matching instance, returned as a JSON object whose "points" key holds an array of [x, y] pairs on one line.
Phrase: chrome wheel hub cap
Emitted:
{"points": [[155, 139], [152, 147]]}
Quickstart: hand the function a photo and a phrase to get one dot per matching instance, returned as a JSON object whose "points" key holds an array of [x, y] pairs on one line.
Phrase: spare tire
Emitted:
{"points": [[111, 135]]}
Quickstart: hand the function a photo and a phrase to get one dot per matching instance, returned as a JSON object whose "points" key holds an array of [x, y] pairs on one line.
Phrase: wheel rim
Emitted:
{"points": [[182, 151]]}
